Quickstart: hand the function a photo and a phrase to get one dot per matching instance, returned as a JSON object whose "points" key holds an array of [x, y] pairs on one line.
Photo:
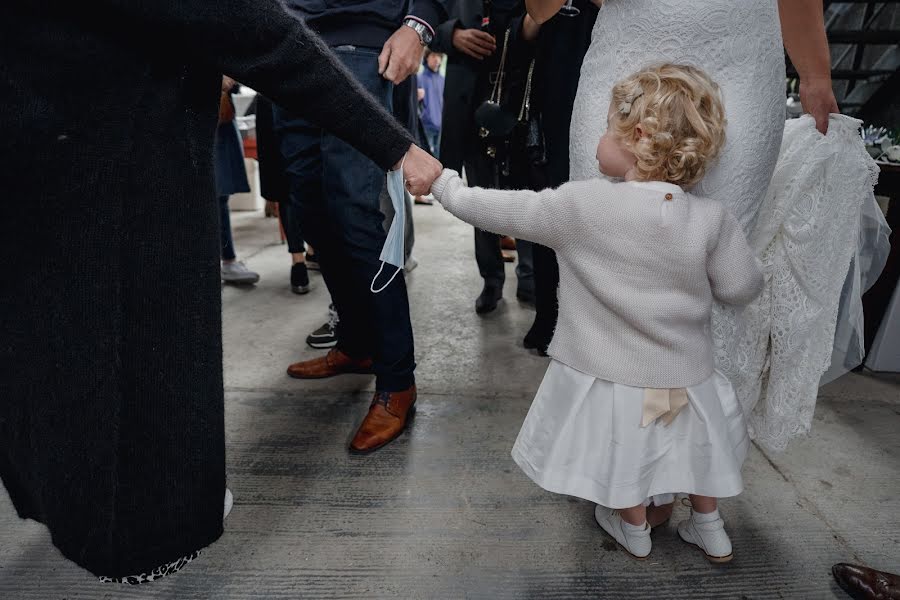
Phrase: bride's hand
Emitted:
{"points": [[817, 99]]}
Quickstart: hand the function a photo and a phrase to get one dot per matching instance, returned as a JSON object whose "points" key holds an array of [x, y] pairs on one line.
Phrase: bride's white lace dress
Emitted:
{"points": [[804, 224], [737, 42]]}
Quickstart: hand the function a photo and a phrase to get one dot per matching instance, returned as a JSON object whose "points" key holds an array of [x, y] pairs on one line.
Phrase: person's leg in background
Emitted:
{"points": [[480, 172], [563, 46], [231, 178], [525, 271], [275, 186], [546, 302], [301, 147], [434, 142], [228, 254], [291, 220]]}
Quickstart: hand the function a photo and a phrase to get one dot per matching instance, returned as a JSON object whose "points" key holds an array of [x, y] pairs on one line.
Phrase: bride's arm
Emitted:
{"points": [[543, 10], [803, 30]]}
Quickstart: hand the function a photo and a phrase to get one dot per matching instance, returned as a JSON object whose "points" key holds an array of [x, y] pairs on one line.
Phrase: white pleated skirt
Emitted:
{"points": [[583, 437]]}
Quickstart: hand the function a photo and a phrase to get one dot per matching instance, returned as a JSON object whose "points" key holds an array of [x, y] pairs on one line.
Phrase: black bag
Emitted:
{"points": [[495, 118]]}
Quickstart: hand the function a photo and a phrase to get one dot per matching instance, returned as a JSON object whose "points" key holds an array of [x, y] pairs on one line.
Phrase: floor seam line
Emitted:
{"points": [[810, 506]]}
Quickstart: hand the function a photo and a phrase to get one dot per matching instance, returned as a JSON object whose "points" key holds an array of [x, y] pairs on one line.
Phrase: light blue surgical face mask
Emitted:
{"points": [[394, 250]]}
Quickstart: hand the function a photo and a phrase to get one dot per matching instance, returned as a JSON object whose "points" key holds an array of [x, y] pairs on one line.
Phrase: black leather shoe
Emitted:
{"points": [[487, 301], [299, 279]]}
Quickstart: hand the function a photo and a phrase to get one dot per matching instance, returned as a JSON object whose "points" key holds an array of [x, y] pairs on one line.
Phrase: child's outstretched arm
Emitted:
{"points": [[533, 216], [733, 269]]}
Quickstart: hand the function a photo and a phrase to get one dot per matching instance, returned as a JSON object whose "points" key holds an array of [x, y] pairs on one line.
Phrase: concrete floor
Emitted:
{"points": [[443, 512]]}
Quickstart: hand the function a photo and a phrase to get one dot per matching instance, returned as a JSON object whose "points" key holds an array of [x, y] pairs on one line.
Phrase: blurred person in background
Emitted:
{"points": [[431, 95], [275, 187], [231, 178], [562, 44], [431, 101], [472, 38]]}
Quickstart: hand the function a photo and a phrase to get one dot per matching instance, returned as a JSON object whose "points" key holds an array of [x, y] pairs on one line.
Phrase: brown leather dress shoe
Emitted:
{"points": [[863, 583], [332, 364], [388, 416]]}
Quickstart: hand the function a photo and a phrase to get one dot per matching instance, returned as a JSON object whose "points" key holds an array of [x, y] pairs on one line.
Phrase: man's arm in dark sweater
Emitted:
{"points": [[443, 37], [258, 43]]}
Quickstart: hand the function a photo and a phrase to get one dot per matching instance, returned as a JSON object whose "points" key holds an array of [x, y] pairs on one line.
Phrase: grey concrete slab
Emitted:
{"points": [[444, 512]]}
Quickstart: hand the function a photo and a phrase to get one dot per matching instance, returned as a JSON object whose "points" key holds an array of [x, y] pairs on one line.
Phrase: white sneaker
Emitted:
{"points": [[635, 541], [708, 534], [229, 503], [237, 272]]}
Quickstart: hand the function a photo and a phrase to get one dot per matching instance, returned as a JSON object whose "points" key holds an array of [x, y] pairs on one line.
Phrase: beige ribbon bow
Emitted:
{"points": [[663, 404]]}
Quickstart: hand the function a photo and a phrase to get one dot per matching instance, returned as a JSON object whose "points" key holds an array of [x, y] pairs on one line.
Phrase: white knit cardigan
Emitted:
{"points": [[639, 267]]}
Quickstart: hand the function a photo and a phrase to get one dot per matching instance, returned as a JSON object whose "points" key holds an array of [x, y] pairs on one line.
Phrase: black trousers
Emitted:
{"points": [[563, 44], [480, 172]]}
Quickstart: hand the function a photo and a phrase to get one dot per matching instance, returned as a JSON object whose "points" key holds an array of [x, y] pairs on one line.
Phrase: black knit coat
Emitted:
{"points": [[111, 403]]}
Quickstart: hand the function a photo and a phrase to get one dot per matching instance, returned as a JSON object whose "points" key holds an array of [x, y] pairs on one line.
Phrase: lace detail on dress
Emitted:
{"points": [[777, 350]]}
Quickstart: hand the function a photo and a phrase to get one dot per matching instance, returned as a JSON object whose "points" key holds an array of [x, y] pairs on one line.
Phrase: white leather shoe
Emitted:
{"points": [[710, 537], [636, 542], [229, 503]]}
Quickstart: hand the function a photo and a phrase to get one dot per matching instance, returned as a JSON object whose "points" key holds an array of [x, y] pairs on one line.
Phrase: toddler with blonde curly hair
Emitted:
{"points": [[631, 411]]}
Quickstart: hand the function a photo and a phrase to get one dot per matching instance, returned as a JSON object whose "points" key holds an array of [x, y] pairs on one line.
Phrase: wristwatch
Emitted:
{"points": [[426, 34]]}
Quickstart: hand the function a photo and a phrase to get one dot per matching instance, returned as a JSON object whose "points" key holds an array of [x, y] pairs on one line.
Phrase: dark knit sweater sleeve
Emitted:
{"points": [[430, 11], [258, 43], [443, 38]]}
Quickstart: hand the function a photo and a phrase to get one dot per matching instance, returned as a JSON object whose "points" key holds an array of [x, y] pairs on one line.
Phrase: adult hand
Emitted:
{"points": [[474, 42], [401, 55], [420, 169], [817, 99]]}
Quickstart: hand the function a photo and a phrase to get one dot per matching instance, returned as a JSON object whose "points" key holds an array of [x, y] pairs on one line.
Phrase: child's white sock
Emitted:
{"points": [[706, 517], [629, 527]]}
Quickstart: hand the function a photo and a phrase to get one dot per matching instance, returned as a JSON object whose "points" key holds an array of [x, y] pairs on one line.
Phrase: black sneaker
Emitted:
{"points": [[326, 335], [299, 279], [312, 262]]}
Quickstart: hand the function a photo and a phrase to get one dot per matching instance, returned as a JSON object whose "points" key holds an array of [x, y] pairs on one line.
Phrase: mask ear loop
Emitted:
{"points": [[381, 268], [384, 287]]}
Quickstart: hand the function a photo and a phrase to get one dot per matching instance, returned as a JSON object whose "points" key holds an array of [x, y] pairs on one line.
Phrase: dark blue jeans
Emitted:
{"points": [[433, 138], [337, 189]]}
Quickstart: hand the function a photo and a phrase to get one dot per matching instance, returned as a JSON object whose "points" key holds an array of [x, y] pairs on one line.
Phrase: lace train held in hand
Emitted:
{"points": [[822, 241]]}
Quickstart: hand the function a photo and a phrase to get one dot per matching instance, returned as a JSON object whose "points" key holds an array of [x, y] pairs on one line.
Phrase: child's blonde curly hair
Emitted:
{"points": [[679, 110]]}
